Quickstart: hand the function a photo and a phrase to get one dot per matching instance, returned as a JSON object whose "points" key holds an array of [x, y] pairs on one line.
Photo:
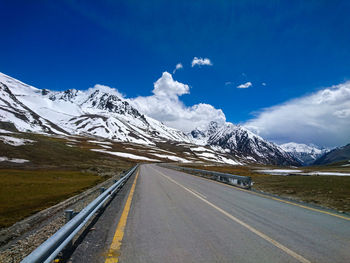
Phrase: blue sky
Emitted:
{"points": [[297, 48]]}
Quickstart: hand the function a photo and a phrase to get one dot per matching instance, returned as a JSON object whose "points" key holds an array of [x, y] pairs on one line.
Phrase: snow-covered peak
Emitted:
{"points": [[102, 89], [301, 148], [240, 141], [201, 134], [307, 154], [67, 95], [235, 131], [212, 127], [17, 87]]}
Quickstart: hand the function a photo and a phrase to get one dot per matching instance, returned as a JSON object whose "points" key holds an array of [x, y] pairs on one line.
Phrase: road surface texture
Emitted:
{"points": [[177, 217]]}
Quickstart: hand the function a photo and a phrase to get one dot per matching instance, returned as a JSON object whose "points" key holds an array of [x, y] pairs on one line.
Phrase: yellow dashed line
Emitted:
{"points": [[114, 250]]}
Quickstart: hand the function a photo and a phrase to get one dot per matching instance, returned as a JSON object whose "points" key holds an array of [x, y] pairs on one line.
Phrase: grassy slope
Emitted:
{"points": [[55, 172], [23, 193], [328, 191]]}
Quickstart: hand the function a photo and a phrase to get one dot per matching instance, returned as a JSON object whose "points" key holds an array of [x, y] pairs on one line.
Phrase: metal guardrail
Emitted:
{"points": [[48, 250], [236, 180]]}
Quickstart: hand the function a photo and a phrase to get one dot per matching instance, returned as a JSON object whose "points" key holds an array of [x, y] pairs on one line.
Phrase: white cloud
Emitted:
{"points": [[201, 62], [164, 105], [167, 87], [106, 89], [245, 85], [342, 113], [177, 67], [264, 84], [322, 118]]}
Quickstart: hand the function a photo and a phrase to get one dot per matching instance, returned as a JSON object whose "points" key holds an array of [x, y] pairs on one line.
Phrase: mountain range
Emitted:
{"points": [[306, 154], [339, 154], [102, 112]]}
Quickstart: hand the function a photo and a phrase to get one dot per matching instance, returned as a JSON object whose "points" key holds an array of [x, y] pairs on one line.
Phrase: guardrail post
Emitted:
{"points": [[102, 189], [69, 214]]}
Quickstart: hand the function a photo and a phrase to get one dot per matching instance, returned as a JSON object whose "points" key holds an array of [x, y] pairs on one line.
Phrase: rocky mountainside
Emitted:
{"points": [[14, 111], [103, 112], [239, 141], [306, 154], [98, 111], [335, 155]]}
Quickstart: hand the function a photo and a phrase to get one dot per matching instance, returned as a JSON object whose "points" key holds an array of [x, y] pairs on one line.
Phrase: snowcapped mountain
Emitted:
{"points": [[336, 155], [98, 111], [306, 154], [103, 112], [239, 141], [201, 136], [14, 111]]}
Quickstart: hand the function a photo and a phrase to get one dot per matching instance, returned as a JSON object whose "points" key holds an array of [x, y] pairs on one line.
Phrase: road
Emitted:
{"points": [[177, 217]]}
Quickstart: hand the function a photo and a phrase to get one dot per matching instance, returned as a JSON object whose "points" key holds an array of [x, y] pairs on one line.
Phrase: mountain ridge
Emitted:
{"points": [[336, 155], [239, 141], [306, 154], [103, 112]]}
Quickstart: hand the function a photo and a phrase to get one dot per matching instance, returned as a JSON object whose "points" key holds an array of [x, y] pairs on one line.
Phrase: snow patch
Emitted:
{"points": [[106, 146], [14, 141], [301, 172], [171, 157], [208, 155], [13, 160], [101, 142], [126, 155], [229, 161], [279, 171], [329, 173], [201, 149], [5, 131]]}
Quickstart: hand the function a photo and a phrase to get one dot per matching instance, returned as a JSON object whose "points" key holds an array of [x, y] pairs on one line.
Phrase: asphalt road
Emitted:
{"points": [[177, 217]]}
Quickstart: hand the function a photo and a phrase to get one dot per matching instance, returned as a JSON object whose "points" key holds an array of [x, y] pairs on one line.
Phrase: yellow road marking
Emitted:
{"points": [[114, 250], [275, 198], [252, 229]]}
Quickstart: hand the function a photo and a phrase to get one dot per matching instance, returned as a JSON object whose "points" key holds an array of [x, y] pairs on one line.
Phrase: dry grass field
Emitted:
{"points": [[328, 191], [25, 192], [55, 172]]}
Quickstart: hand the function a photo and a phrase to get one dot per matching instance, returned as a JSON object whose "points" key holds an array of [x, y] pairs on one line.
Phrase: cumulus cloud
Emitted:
{"points": [[164, 105], [177, 67], [322, 118], [201, 62], [166, 87], [245, 85]]}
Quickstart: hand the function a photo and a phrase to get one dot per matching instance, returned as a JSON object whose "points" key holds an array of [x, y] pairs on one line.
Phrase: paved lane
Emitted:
{"points": [[176, 217]]}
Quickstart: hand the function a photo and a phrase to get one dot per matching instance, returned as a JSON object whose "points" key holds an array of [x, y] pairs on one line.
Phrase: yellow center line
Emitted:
{"points": [[250, 228], [275, 198], [114, 250]]}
